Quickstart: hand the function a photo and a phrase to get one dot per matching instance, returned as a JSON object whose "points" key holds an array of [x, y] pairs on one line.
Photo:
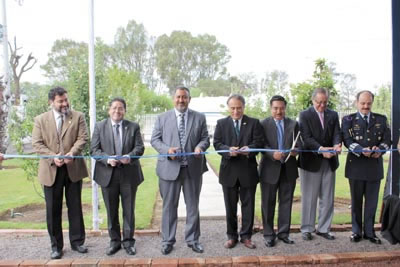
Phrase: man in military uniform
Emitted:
{"points": [[367, 136]]}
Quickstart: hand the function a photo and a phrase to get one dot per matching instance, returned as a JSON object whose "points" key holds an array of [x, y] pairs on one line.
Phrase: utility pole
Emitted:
{"points": [[7, 92], [92, 113]]}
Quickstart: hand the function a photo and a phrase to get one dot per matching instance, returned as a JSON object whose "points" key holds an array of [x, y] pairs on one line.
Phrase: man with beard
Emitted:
{"points": [[180, 130], [365, 134], [61, 132]]}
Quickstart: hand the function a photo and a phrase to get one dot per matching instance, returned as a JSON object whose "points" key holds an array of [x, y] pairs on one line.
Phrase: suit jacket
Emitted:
{"points": [[165, 135], [240, 167], [356, 136], [269, 167], [103, 145], [314, 137], [45, 142]]}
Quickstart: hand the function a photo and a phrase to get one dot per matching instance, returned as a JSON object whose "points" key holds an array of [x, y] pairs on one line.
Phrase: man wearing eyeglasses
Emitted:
{"points": [[320, 132]]}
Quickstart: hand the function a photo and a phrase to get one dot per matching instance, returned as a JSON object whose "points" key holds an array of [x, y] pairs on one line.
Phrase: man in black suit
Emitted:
{"points": [[238, 170], [119, 176], [320, 131], [364, 134], [277, 173]]}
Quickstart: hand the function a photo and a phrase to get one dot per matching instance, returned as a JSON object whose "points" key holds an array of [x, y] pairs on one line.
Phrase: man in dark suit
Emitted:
{"points": [[320, 131], [364, 134], [180, 130], [238, 170], [277, 173], [119, 176], [63, 132]]}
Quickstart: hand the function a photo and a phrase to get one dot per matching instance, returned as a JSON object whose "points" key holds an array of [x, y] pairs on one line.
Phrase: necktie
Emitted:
{"points": [[237, 129], [321, 118], [280, 134], [59, 132], [182, 135], [117, 141], [366, 120]]}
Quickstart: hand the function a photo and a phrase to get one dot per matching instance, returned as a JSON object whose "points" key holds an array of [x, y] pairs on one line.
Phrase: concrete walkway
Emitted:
{"points": [[211, 198]]}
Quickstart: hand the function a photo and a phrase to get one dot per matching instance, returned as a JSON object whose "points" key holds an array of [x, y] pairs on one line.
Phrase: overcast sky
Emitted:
{"points": [[261, 35]]}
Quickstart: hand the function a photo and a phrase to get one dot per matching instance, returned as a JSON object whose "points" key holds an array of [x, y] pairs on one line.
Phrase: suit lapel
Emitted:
{"points": [[109, 133], [317, 120], [52, 123], [67, 123], [124, 133], [189, 124]]}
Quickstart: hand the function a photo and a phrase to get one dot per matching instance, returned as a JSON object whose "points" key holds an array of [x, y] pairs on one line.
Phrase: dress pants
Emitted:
{"points": [[317, 187], [170, 192], [285, 188], [369, 191], [119, 187], [54, 201], [247, 199]]}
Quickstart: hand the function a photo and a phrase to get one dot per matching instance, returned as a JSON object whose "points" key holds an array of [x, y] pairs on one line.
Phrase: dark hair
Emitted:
{"points": [[365, 91], [117, 99], [238, 97], [181, 87], [319, 91], [56, 91], [277, 98]]}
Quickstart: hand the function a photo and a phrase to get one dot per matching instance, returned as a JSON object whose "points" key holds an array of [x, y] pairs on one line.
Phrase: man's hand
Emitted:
{"points": [[112, 161], [375, 154], [367, 152], [173, 150], [126, 159], [326, 154], [293, 152], [58, 161], [338, 148], [243, 150], [278, 155], [1, 157], [197, 152], [68, 160], [234, 151]]}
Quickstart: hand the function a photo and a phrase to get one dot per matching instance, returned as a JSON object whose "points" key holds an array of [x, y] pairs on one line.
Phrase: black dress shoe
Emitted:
{"points": [[56, 254], [80, 249], [373, 239], [130, 250], [166, 249], [269, 243], [327, 236], [307, 236], [286, 240], [113, 250], [355, 238], [196, 247]]}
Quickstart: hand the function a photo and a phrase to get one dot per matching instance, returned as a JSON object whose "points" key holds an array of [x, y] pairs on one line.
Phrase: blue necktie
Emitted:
{"points": [[280, 134]]}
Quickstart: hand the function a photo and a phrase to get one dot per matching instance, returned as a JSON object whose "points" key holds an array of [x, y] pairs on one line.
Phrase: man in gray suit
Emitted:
{"points": [[119, 176], [180, 130], [278, 171]]}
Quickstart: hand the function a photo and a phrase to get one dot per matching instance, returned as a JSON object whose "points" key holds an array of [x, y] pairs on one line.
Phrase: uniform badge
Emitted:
{"points": [[356, 127], [378, 125], [357, 138]]}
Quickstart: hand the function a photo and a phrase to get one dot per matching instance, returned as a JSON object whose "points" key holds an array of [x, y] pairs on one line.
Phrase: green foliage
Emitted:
{"points": [[209, 87], [383, 100], [323, 77], [184, 59]]}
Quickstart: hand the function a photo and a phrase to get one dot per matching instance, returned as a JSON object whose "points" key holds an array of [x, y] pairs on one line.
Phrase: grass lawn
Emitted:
{"points": [[342, 191], [17, 191]]}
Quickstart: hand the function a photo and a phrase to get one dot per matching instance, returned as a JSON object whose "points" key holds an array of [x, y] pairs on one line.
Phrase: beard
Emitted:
{"points": [[62, 110]]}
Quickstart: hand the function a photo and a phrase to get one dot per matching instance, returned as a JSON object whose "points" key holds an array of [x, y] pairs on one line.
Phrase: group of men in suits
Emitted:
{"points": [[117, 146]]}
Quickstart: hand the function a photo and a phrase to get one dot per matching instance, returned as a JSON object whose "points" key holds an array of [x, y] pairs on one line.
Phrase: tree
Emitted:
{"points": [[347, 91], [323, 77], [184, 59], [208, 87], [3, 118], [382, 100], [17, 74]]}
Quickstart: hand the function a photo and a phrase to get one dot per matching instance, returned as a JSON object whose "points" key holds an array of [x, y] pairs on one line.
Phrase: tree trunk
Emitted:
{"points": [[3, 120]]}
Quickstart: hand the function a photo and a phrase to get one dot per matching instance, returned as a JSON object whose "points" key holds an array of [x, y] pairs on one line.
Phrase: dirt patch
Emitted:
{"points": [[34, 213]]}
